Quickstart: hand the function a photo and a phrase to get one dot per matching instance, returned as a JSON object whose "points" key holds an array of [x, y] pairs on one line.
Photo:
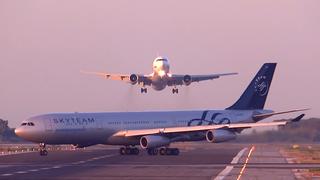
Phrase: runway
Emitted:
{"points": [[196, 161]]}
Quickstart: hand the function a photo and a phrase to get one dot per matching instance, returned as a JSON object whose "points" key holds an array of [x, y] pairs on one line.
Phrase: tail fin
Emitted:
{"points": [[254, 97]]}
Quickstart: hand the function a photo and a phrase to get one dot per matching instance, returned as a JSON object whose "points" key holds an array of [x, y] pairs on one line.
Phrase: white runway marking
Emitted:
{"points": [[21, 172], [46, 168], [34, 170], [58, 166], [229, 168]]}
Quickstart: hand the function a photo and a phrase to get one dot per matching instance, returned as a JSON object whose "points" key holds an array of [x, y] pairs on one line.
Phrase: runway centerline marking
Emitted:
{"points": [[229, 168], [246, 162]]}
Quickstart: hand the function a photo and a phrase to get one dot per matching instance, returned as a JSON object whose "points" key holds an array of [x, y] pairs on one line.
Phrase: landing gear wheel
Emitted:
{"points": [[129, 151], [175, 90], [43, 152], [122, 151], [176, 151], [135, 151], [42, 149], [162, 151], [153, 151], [144, 90], [169, 151]]}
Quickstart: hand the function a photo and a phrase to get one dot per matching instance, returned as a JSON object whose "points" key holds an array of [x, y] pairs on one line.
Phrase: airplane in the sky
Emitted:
{"points": [[155, 131], [160, 78]]}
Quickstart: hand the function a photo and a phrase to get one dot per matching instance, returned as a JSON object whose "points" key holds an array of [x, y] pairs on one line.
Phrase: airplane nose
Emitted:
{"points": [[18, 131]]}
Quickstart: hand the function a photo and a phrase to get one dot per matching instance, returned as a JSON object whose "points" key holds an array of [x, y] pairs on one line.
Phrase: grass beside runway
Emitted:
{"points": [[305, 154]]}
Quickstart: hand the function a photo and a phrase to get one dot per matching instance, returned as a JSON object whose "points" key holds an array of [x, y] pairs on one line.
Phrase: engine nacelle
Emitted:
{"points": [[133, 79], [152, 141], [187, 79], [216, 136]]}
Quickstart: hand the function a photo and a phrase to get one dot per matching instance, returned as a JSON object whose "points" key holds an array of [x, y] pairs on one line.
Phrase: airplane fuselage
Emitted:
{"points": [[99, 128], [160, 75]]}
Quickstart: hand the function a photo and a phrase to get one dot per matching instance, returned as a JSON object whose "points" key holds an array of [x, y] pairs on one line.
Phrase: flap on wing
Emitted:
{"points": [[121, 77], [143, 132]]}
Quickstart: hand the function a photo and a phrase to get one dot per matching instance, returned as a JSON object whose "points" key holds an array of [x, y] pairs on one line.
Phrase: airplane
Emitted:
{"points": [[160, 77], [155, 131]]}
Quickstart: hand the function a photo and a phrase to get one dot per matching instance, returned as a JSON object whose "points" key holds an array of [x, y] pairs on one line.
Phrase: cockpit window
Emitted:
{"points": [[27, 124], [161, 60], [30, 124]]}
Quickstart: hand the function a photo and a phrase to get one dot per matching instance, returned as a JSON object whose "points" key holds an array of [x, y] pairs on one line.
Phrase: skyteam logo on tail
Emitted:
{"points": [[261, 85]]}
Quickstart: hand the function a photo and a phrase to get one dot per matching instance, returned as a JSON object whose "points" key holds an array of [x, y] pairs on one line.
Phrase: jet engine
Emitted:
{"points": [[216, 136], [152, 141], [133, 79], [187, 80]]}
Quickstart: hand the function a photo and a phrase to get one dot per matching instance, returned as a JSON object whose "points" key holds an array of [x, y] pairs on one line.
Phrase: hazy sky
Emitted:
{"points": [[45, 44]]}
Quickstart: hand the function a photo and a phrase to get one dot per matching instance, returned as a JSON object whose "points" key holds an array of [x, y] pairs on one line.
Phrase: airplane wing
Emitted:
{"points": [[163, 131], [188, 79], [123, 77]]}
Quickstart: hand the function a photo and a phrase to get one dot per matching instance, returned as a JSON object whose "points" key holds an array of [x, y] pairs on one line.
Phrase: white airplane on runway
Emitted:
{"points": [[160, 78], [155, 131]]}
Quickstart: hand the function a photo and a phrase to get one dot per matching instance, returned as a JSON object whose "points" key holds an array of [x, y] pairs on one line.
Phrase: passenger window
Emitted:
{"points": [[23, 124]]}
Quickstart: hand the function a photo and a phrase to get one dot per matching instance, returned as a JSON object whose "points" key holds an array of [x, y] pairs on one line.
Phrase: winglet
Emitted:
{"points": [[297, 119]]}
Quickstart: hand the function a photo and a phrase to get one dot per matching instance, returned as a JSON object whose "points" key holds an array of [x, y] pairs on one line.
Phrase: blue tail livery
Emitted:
{"points": [[254, 97]]}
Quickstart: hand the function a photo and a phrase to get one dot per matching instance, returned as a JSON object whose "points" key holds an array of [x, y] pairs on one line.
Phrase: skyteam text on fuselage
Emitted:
{"points": [[155, 131], [160, 78]]}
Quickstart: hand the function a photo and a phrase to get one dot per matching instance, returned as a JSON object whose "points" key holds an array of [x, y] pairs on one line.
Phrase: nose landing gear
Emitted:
{"points": [[42, 149]]}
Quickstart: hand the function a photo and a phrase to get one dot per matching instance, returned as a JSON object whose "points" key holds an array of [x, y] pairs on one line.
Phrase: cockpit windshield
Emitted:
{"points": [[161, 60], [27, 124]]}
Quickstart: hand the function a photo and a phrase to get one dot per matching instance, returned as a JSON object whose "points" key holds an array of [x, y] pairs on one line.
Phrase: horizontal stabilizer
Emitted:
{"points": [[266, 115]]}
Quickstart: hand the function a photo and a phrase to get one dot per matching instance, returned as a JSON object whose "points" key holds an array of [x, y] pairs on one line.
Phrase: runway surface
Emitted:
{"points": [[196, 161]]}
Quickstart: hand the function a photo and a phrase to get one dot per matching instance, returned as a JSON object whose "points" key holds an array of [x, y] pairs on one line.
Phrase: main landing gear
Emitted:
{"points": [[129, 151], [151, 151], [163, 151], [42, 149], [144, 90], [175, 90]]}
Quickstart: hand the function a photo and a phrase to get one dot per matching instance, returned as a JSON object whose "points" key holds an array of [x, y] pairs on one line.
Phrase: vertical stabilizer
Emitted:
{"points": [[254, 97]]}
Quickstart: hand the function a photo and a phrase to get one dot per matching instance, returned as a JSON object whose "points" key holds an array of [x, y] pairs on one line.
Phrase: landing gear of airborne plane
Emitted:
{"points": [[42, 149], [129, 151], [175, 90], [144, 90]]}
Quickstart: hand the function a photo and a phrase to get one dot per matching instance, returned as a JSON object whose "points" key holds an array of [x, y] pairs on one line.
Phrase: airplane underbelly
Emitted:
{"points": [[76, 136], [159, 83]]}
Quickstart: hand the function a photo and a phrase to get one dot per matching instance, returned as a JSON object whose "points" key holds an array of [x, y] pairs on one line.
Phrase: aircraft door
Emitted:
{"points": [[48, 125]]}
